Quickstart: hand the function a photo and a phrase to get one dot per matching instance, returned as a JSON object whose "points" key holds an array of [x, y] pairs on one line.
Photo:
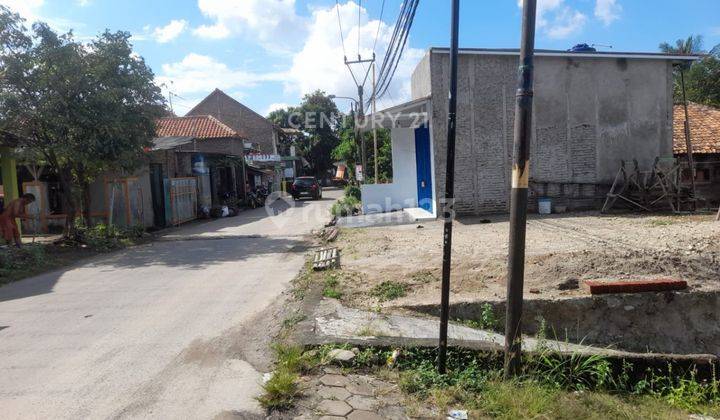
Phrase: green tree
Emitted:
{"points": [[702, 78], [319, 117], [85, 108]]}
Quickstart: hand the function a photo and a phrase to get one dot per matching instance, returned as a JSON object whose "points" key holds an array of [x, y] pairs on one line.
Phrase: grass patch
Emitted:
{"points": [[424, 276], [283, 388], [551, 386], [331, 287], [389, 290]]}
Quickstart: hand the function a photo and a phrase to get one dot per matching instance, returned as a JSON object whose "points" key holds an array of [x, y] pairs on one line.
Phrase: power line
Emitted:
{"points": [[359, 13], [396, 47], [342, 37], [377, 33]]}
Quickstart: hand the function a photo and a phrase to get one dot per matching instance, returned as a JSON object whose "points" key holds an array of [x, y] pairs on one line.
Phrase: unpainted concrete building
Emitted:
{"points": [[590, 111]]}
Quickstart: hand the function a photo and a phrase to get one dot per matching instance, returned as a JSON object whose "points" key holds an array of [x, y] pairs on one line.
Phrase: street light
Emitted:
{"points": [[343, 97]]}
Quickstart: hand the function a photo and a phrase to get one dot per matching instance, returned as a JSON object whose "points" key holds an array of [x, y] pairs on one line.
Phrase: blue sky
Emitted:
{"points": [[268, 53]]}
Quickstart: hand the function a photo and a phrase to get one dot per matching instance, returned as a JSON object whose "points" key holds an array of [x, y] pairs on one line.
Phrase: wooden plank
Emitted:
{"points": [[599, 287]]}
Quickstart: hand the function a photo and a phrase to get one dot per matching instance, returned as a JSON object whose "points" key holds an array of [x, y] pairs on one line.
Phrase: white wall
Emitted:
{"points": [[402, 192]]}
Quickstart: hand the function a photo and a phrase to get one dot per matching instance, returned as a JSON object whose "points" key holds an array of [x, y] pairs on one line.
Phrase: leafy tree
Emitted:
{"points": [[85, 109], [319, 117], [702, 78]]}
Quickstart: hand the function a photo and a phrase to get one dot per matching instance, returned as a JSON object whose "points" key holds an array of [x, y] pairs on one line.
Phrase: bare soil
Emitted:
{"points": [[562, 251]]}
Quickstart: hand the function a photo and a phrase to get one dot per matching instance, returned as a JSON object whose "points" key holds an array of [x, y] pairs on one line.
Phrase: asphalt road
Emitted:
{"points": [[156, 331]]}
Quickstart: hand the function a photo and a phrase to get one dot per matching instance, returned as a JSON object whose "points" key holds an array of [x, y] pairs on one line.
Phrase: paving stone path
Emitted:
{"points": [[333, 395]]}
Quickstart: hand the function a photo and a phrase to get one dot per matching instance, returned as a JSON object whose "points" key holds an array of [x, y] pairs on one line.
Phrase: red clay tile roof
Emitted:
{"points": [[704, 128], [200, 127]]}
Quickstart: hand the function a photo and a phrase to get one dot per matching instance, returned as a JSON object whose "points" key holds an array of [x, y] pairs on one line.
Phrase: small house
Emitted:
{"points": [[590, 111]]}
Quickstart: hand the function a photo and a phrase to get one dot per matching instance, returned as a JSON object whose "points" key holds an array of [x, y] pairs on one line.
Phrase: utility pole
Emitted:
{"points": [[448, 203], [374, 109], [688, 140], [519, 193], [361, 105]]}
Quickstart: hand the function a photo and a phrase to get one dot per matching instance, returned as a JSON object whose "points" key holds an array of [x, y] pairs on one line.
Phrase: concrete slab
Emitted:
{"points": [[334, 323], [376, 219]]}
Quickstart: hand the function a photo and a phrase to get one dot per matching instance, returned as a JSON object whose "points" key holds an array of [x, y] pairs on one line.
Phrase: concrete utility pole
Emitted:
{"points": [[361, 105], [448, 204], [519, 193]]}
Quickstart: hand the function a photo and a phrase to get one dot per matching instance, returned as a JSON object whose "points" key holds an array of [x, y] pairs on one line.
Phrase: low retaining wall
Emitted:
{"points": [[668, 322]]}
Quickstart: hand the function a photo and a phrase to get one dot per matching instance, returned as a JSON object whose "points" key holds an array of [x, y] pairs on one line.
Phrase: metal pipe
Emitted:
{"points": [[519, 192], [448, 202]]}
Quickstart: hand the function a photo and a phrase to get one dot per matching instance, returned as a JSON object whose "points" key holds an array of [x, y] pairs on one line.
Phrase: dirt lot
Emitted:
{"points": [[562, 251]]}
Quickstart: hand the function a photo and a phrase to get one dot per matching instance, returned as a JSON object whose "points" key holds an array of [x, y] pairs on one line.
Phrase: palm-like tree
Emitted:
{"points": [[691, 45]]}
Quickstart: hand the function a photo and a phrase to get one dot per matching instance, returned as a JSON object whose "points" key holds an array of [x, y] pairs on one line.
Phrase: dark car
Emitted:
{"points": [[306, 186]]}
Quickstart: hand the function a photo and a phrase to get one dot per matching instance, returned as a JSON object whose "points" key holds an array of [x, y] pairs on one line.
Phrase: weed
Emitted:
{"points": [[368, 331], [661, 222], [293, 320], [487, 320], [331, 287], [424, 276], [280, 391], [389, 290]]}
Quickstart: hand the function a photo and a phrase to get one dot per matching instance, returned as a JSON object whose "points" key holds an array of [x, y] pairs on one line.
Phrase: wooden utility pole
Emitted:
{"points": [[519, 192], [448, 203], [688, 140], [374, 108]]}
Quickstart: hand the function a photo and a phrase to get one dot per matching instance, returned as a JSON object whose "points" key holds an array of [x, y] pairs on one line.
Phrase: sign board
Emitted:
{"points": [[259, 157], [289, 173], [359, 173]]}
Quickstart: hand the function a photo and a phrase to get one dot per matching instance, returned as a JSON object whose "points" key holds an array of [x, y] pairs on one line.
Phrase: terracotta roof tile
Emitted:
{"points": [[704, 128], [200, 127]]}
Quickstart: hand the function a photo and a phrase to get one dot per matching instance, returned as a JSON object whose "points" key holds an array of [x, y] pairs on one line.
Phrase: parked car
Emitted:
{"points": [[306, 186]]}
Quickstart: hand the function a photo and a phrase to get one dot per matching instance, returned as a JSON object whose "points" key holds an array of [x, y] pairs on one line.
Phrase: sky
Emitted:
{"points": [[269, 53]]}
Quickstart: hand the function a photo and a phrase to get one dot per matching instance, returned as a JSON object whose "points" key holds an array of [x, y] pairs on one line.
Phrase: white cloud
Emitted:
{"points": [[170, 31], [201, 74], [566, 22], [275, 107], [272, 23], [556, 19], [83, 3], [607, 11], [319, 64]]}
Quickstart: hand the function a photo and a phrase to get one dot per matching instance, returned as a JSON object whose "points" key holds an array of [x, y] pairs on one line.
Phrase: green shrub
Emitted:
{"points": [[353, 191], [345, 207], [103, 238]]}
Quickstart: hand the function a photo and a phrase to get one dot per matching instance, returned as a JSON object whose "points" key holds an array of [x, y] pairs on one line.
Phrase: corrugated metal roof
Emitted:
{"points": [[168, 143]]}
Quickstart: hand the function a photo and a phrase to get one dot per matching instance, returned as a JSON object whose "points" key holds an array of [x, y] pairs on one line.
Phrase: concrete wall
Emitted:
{"points": [[402, 192], [588, 114]]}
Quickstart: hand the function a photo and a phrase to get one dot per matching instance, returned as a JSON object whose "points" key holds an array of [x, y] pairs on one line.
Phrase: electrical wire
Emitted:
{"points": [[358, 35], [396, 47], [377, 33], [342, 37]]}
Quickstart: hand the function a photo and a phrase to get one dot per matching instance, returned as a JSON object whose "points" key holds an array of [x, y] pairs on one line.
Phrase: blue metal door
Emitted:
{"points": [[424, 167]]}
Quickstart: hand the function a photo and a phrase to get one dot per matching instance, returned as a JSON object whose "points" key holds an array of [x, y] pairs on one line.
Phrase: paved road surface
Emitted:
{"points": [[156, 331]]}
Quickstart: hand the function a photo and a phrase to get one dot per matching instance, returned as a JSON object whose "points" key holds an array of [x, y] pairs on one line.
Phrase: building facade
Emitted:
{"points": [[251, 125], [590, 111]]}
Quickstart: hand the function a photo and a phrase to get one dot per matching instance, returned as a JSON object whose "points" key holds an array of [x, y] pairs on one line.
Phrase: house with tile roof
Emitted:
{"points": [[200, 147], [704, 122]]}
